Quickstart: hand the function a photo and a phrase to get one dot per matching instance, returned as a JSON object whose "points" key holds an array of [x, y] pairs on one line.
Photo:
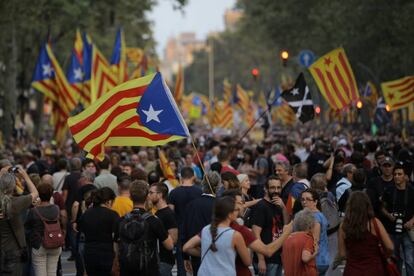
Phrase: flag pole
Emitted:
{"points": [[202, 166], [254, 123]]}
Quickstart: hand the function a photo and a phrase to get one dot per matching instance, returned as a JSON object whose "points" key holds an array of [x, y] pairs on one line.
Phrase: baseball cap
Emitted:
{"points": [[388, 160]]}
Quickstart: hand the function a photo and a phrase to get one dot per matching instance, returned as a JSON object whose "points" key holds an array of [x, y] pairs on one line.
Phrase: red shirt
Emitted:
{"points": [[228, 168], [292, 255], [248, 237]]}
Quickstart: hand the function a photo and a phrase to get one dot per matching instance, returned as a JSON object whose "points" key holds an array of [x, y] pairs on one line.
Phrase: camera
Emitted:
{"points": [[398, 222], [14, 170]]}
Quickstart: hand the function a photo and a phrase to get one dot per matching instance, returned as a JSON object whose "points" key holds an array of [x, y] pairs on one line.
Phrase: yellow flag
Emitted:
{"points": [[399, 93], [335, 79]]}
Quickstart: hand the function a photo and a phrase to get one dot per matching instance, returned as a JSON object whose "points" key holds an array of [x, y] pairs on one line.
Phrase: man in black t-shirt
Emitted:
{"points": [[158, 194], [377, 185], [156, 233], [178, 200], [268, 218], [398, 208]]}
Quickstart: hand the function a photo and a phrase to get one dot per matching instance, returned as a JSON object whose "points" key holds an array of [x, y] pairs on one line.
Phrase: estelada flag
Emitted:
{"points": [[335, 79], [399, 93], [166, 169], [139, 112]]}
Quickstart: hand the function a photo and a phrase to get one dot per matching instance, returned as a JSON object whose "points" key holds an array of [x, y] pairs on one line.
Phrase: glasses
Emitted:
{"points": [[306, 199]]}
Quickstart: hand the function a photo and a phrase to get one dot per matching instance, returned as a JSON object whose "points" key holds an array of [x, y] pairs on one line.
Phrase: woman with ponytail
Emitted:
{"points": [[98, 225], [219, 242]]}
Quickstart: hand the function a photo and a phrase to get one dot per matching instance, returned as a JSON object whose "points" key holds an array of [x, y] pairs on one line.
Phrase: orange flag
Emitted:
{"points": [[335, 79]]}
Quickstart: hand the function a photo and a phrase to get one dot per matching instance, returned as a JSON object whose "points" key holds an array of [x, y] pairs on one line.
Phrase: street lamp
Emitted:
{"points": [[284, 55]]}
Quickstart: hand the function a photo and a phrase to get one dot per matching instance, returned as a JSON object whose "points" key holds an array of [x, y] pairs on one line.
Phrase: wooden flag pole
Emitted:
{"points": [[202, 166], [254, 123]]}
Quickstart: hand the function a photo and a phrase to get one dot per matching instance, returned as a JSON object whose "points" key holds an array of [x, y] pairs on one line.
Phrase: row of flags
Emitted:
{"points": [[89, 76]]}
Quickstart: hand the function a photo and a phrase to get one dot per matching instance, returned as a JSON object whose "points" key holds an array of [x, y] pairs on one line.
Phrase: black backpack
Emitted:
{"points": [[135, 249]]}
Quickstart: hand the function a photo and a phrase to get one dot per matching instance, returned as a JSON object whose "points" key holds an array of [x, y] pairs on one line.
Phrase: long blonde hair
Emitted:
{"points": [[7, 187]]}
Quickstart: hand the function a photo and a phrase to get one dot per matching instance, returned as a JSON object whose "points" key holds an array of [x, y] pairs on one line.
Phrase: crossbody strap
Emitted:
{"points": [[214, 241]]}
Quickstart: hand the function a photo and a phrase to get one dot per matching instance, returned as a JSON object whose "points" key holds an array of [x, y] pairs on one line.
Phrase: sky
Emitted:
{"points": [[199, 16]]}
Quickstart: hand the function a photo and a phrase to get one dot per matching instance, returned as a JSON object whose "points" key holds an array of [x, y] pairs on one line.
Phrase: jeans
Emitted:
{"points": [[45, 261], [402, 242], [180, 259], [165, 269], [271, 269], [79, 248], [333, 249]]}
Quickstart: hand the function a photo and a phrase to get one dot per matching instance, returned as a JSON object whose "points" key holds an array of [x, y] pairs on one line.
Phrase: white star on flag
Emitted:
{"points": [[78, 75], [152, 114], [295, 91], [47, 70]]}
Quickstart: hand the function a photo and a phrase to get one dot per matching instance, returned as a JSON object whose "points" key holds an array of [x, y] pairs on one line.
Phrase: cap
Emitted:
{"points": [[388, 160]]}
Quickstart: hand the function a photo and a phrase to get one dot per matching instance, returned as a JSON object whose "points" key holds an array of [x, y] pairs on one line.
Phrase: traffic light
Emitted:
{"points": [[255, 73], [284, 55], [317, 110]]}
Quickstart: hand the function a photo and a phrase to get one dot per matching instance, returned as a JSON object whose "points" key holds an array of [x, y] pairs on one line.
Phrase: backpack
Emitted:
{"points": [[135, 251], [52, 235], [330, 210]]}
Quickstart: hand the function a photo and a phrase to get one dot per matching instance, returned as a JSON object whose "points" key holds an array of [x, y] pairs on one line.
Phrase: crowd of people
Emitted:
{"points": [[302, 204]]}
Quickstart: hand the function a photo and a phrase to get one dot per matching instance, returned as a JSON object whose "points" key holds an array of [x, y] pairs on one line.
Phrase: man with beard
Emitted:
{"points": [[158, 194], [268, 218]]}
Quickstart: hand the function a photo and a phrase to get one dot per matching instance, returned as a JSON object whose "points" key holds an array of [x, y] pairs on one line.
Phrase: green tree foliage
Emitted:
{"points": [[26, 24], [377, 36]]}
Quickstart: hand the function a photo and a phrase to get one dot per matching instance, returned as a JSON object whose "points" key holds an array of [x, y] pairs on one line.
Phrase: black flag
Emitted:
{"points": [[300, 100]]}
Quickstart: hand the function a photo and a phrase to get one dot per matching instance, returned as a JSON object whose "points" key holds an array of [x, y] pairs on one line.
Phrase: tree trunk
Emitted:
{"points": [[10, 91]]}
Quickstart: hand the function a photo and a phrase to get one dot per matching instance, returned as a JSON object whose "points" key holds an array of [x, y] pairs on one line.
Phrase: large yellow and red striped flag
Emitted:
{"points": [[399, 93], [335, 79], [179, 85], [139, 112], [166, 169], [102, 77]]}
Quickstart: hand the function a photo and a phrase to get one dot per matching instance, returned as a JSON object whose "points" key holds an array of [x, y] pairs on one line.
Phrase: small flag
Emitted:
{"points": [[166, 169], [335, 79], [381, 116], [76, 72], [119, 63], [242, 98], [300, 100], [399, 93], [179, 85], [370, 93], [139, 112]]}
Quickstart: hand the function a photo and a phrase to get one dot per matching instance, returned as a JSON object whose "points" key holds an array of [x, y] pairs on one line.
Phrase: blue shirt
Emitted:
{"points": [[323, 257]]}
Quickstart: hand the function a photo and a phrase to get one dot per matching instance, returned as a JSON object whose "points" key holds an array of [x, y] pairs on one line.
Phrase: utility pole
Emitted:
{"points": [[211, 70]]}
